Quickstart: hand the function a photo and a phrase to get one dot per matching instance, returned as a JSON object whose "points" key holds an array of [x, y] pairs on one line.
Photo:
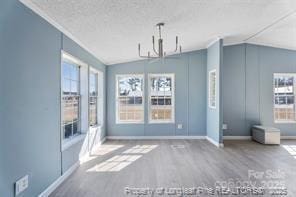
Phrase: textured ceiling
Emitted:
{"points": [[111, 29]]}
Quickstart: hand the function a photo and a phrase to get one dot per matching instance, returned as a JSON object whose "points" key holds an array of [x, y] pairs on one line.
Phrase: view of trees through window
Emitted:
{"points": [[161, 96], [130, 106], [284, 97]]}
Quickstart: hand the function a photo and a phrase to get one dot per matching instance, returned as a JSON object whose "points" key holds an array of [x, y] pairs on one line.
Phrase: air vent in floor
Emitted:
{"points": [[177, 146]]}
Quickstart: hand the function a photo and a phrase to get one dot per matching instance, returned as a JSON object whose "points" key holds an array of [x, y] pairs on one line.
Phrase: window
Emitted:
{"points": [[70, 98], [212, 89], [284, 97], [93, 98], [130, 99], [161, 98]]}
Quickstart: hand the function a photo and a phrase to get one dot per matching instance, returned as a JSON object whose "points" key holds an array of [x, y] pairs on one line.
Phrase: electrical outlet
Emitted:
{"points": [[224, 126], [180, 126], [21, 185]]}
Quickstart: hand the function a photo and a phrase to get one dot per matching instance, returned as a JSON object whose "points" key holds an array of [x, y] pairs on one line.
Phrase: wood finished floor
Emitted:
{"points": [[118, 164]]}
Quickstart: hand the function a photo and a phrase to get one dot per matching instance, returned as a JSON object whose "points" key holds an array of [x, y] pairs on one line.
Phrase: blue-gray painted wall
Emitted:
{"points": [[248, 87], [190, 106], [30, 95], [214, 115], [30, 99]]}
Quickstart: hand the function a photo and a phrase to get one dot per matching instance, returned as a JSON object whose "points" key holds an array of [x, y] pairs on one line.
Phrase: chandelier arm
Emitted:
{"points": [[159, 30], [139, 50], [176, 49], [153, 42]]}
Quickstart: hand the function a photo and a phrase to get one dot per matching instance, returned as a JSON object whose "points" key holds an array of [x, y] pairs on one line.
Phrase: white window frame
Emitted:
{"points": [[273, 86], [118, 121], [100, 97], [67, 142], [172, 120], [210, 96]]}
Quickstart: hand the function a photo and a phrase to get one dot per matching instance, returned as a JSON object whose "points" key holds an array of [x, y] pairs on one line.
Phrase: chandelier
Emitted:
{"points": [[160, 53]]}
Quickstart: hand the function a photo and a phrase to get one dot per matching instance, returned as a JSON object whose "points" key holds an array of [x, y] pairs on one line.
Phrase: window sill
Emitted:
{"points": [[285, 122], [161, 122], [130, 123], [98, 126], [67, 143]]}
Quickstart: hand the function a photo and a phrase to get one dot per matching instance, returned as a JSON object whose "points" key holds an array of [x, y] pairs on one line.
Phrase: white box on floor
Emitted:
{"points": [[266, 135]]}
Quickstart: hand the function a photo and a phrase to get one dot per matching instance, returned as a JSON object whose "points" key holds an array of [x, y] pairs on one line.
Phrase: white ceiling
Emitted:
{"points": [[111, 29]]}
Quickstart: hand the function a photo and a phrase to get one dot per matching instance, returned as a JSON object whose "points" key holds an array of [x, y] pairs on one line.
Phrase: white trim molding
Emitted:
{"points": [[219, 145], [286, 137], [237, 137], [214, 41], [59, 27], [59, 181], [155, 137], [283, 137], [66, 174], [67, 143]]}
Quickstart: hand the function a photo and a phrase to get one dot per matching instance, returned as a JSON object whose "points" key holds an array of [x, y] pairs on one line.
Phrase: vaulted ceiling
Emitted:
{"points": [[111, 29]]}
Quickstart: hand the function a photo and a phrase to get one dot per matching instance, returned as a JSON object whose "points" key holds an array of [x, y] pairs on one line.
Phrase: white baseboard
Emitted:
{"points": [[102, 141], [219, 145], [288, 137], [283, 137], [237, 137], [59, 181], [62, 178], [153, 137]]}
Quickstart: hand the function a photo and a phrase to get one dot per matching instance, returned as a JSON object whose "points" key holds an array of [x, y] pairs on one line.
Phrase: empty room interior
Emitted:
{"points": [[109, 98]]}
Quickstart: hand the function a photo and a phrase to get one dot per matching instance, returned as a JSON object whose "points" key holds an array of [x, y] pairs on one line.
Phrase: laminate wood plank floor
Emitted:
{"points": [[121, 164]]}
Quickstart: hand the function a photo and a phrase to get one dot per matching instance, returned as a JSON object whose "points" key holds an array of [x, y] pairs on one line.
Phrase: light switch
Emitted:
{"points": [[224, 126], [180, 126], [21, 185]]}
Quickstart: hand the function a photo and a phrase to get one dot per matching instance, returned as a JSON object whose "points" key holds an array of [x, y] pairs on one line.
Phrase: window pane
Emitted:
{"points": [[74, 87], [75, 72], [161, 92], [160, 100], [67, 130], [75, 127], [138, 100], [130, 86], [92, 79], [212, 89], [168, 114], [93, 93], [70, 98], [66, 86], [130, 99], [66, 70], [92, 90], [284, 97], [93, 111], [168, 101]]}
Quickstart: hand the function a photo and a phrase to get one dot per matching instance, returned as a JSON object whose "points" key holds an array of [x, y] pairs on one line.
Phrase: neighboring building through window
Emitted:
{"points": [[284, 97], [70, 98], [130, 99], [161, 98], [212, 89]]}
